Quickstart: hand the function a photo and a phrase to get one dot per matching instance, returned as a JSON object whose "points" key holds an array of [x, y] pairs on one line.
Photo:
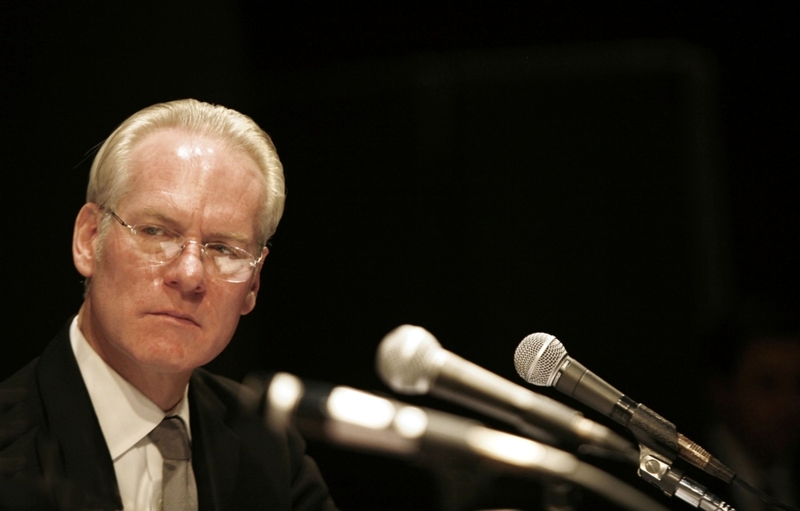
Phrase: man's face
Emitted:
{"points": [[765, 397], [175, 317]]}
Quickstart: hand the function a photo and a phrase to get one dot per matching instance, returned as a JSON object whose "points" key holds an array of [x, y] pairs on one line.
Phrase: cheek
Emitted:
{"points": [[225, 306], [128, 285]]}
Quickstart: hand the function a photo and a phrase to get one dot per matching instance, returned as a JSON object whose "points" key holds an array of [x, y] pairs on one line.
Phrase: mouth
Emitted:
{"points": [[179, 317]]}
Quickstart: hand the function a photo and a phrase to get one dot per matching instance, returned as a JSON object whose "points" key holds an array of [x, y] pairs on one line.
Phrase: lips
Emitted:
{"points": [[180, 316]]}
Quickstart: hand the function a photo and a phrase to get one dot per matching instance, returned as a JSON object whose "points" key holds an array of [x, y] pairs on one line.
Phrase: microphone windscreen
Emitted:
{"points": [[405, 359], [538, 357]]}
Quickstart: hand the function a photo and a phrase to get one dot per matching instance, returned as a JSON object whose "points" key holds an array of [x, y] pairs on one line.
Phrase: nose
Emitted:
{"points": [[187, 273]]}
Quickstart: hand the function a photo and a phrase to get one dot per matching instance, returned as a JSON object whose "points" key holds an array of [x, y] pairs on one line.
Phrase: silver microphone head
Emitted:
{"points": [[538, 358], [406, 360]]}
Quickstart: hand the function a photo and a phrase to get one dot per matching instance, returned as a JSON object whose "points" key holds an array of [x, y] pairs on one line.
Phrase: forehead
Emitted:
{"points": [[778, 356], [195, 179], [181, 146]]}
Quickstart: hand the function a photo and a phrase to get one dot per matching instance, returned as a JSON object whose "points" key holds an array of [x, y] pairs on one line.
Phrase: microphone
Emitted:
{"points": [[411, 361], [353, 418], [356, 419], [541, 359]]}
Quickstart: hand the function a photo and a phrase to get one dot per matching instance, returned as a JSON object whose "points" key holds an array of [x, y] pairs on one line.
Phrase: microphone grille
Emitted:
{"points": [[405, 359], [538, 357]]}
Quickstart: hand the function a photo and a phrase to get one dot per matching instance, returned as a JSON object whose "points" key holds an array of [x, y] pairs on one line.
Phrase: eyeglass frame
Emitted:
{"points": [[132, 228]]}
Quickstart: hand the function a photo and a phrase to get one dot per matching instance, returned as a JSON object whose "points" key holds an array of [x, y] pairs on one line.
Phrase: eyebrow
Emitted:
{"points": [[232, 236]]}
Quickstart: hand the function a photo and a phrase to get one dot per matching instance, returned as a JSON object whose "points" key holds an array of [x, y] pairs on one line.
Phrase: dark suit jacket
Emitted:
{"points": [[53, 454]]}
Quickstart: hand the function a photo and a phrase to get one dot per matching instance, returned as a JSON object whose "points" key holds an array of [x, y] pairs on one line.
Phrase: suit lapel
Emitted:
{"points": [[73, 424], [215, 448]]}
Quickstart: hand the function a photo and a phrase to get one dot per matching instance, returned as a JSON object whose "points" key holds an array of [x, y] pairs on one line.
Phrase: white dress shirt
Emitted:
{"points": [[126, 417]]}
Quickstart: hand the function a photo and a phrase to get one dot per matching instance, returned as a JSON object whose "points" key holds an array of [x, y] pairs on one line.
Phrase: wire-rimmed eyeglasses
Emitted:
{"points": [[160, 245]]}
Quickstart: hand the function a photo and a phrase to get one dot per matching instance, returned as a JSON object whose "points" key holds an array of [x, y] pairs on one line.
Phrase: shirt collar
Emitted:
{"points": [[126, 415]]}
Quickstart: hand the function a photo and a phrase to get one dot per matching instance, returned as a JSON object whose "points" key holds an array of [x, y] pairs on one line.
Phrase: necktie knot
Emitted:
{"points": [[171, 439]]}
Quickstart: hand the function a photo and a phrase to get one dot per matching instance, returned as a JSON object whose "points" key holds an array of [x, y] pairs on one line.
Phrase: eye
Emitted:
{"points": [[154, 232], [221, 249]]}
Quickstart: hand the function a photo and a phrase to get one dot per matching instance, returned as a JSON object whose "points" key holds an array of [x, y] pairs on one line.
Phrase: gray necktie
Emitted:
{"points": [[179, 492]]}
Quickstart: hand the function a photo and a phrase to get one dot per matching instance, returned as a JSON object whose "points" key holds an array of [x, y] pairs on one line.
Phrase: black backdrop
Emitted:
{"points": [[619, 179]]}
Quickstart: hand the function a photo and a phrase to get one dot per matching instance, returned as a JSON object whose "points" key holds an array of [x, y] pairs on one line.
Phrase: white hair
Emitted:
{"points": [[110, 173]]}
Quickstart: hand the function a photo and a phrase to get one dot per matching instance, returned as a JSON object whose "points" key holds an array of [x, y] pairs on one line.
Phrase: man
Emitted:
{"points": [[753, 384], [182, 199]]}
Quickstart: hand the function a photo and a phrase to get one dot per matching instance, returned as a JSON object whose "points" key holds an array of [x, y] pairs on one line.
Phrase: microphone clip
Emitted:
{"points": [[657, 469]]}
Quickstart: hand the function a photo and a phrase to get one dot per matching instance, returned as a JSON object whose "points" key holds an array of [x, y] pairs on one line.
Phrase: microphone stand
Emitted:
{"points": [[659, 445]]}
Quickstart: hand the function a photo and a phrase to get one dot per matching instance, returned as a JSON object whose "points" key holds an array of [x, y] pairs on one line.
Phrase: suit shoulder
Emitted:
{"points": [[266, 454], [20, 416], [238, 399], [19, 385], [19, 398]]}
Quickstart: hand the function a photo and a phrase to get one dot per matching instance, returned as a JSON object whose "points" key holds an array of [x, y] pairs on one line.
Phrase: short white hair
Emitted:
{"points": [[109, 176]]}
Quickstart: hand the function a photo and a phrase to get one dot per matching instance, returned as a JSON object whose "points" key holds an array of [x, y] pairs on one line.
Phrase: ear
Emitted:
{"points": [[85, 238], [250, 300]]}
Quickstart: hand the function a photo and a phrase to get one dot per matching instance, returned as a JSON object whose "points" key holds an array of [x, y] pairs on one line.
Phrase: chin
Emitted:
{"points": [[172, 357]]}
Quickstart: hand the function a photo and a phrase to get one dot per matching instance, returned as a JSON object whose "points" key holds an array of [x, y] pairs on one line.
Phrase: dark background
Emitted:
{"points": [[623, 178]]}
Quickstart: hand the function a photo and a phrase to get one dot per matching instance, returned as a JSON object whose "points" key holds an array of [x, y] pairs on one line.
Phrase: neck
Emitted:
{"points": [[164, 391]]}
